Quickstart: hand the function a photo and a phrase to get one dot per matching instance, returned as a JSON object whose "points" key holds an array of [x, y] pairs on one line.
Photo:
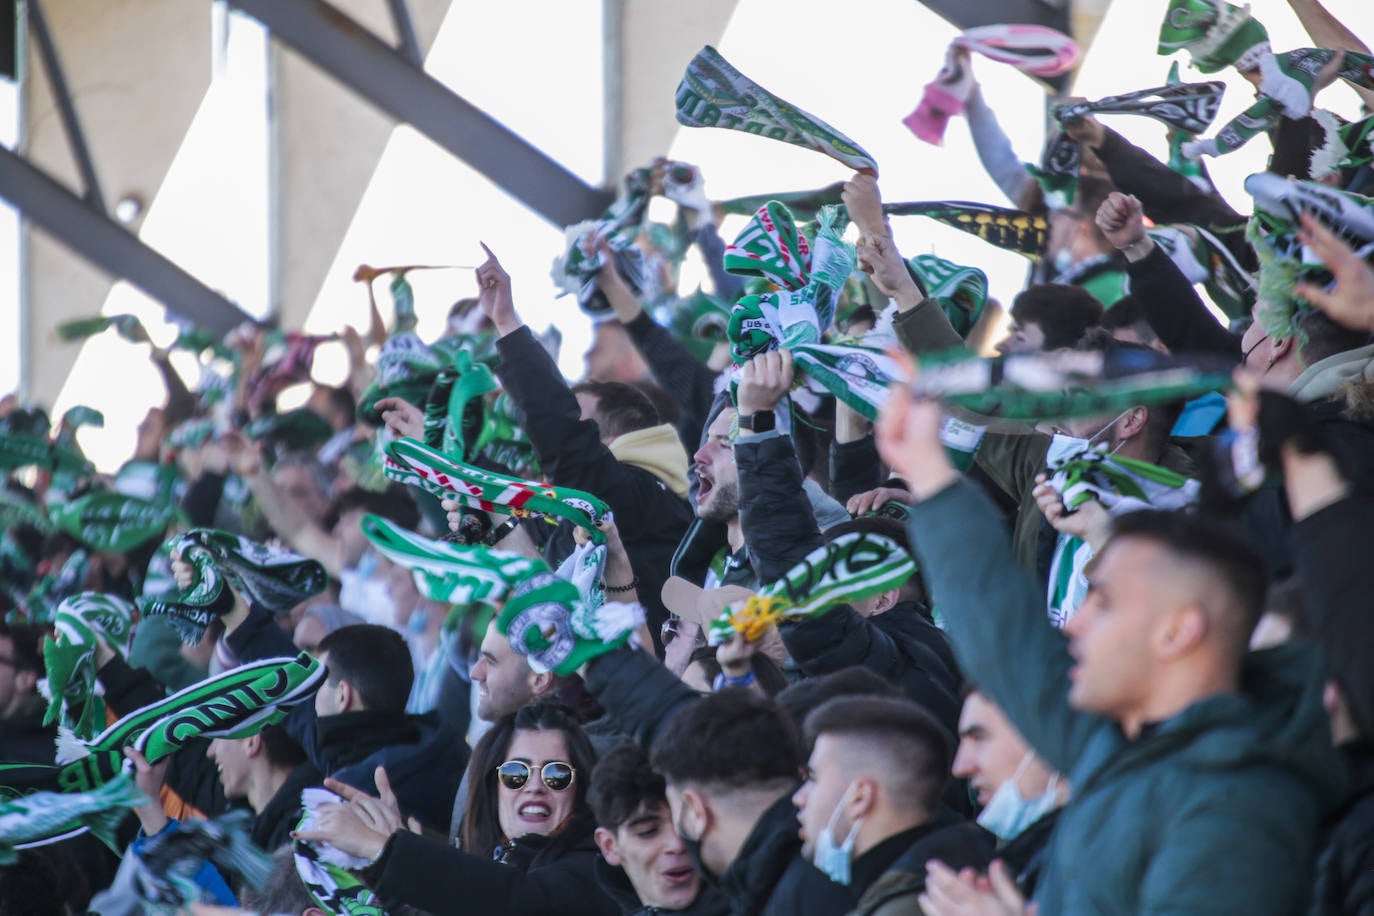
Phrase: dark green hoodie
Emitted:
{"points": [[1214, 810]]}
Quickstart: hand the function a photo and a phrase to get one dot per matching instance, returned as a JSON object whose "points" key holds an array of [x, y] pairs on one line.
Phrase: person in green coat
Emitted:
{"points": [[1200, 770]]}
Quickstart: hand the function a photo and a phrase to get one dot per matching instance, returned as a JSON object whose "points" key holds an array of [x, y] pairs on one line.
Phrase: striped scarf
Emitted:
{"points": [[49, 817], [79, 623], [326, 872], [850, 568]]}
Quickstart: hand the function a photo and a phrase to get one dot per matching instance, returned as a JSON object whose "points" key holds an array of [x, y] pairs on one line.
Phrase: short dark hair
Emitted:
{"points": [[1063, 312], [375, 660], [622, 784], [1234, 563], [801, 698], [26, 639], [620, 408], [1322, 337], [1128, 312], [735, 739], [911, 736], [283, 751], [393, 504], [481, 828]]}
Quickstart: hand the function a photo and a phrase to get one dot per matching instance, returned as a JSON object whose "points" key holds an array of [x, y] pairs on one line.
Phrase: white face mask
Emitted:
{"points": [[1063, 445], [1007, 814], [366, 594], [835, 861]]}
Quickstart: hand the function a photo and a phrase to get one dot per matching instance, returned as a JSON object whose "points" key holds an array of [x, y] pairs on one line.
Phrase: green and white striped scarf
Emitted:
{"points": [[1345, 146], [326, 872], [850, 568], [1084, 472], [236, 704], [110, 522], [270, 576], [961, 292], [406, 368], [714, 94], [49, 817], [575, 271], [455, 408], [416, 464], [69, 657], [448, 572]]}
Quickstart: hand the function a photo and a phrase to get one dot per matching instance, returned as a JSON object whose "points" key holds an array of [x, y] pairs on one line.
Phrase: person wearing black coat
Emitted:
{"points": [[358, 721], [625, 457]]}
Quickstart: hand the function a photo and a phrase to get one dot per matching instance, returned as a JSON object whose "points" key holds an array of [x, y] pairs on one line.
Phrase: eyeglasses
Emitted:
{"points": [[672, 629], [556, 774]]}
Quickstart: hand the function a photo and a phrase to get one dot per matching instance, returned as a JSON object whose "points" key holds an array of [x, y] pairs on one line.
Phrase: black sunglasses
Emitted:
{"points": [[556, 774]]}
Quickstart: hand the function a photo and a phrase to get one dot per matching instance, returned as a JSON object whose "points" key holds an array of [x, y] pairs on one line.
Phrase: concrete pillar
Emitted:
{"points": [[329, 141], [649, 45], [138, 70]]}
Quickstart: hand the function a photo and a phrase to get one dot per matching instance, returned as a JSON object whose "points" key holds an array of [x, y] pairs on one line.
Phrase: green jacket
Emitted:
{"points": [[1212, 811]]}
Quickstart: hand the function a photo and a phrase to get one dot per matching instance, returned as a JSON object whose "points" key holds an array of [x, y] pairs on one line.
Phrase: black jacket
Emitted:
{"points": [[424, 759], [1024, 854], [769, 877], [23, 736], [1345, 867], [890, 876], [686, 379], [536, 876], [650, 517], [616, 885]]}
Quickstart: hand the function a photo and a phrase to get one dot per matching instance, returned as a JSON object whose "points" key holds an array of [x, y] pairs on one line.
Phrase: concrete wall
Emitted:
{"points": [[137, 70]]}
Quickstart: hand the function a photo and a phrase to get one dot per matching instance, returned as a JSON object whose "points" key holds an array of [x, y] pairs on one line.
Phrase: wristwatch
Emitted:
{"points": [[761, 422]]}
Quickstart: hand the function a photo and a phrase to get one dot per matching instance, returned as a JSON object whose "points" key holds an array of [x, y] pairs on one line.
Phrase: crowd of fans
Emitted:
{"points": [[1114, 660]]}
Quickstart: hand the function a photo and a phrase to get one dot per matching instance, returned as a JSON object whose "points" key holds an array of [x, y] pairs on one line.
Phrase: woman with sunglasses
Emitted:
{"points": [[527, 836]]}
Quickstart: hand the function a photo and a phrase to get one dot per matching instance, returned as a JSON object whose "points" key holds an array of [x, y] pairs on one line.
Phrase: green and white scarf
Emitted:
{"points": [[416, 464], [1273, 231], [850, 568], [699, 321], [69, 657], [714, 94], [21, 450], [547, 621], [1188, 107], [447, 572], [455, 408], [406, 368], [961, 292], [1345, 145], [236, 704], [575, 271], [503, 439], [1058, 171], [127, 326], [1039, 387], [1122, 485], [270, 576], [1286, 91], [50, 817], [1215, 33], [16, 511], [110, 522], [326, 872]]}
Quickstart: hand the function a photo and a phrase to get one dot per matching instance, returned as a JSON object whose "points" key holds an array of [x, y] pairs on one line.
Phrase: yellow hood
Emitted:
{"points": [[657, 450]]}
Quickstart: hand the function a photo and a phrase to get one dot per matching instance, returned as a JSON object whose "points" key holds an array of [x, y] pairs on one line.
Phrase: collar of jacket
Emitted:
{"points": [[657, 450], [770, 848], [349, 737], [1325, 378]]}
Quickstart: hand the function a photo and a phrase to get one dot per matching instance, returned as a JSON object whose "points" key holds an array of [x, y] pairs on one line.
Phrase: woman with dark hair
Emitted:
{"points": [[527, 836]]}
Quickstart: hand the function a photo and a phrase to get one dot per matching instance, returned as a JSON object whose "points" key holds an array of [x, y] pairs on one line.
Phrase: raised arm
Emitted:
{"points": [[994, 609]]}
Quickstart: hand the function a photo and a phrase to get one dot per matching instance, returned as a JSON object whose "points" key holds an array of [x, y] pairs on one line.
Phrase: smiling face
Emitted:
{"points": [[534, 808], [231, 757], [504, 680], [653, 857], [717, 476]]}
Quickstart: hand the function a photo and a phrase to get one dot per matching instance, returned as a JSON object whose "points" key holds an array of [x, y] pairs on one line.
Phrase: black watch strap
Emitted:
{"points": [[761, 422]]}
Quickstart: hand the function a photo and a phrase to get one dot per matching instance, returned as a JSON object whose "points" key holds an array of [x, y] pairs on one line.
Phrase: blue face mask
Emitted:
{"points": [[418, 620], [1007, 814], [835, 861]]}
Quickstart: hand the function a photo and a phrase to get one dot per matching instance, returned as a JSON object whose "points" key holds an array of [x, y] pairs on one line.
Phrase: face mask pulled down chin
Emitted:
{"points": [[834, 861], [1008, 814]]}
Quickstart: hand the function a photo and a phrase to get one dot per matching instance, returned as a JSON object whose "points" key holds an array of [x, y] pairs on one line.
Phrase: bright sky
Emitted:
{"points": [[424, 206]]}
